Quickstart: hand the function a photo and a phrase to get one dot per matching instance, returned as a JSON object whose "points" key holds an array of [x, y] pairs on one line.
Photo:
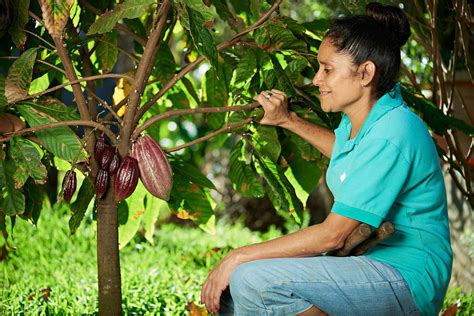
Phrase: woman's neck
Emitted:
{"points": [[358, 114]]}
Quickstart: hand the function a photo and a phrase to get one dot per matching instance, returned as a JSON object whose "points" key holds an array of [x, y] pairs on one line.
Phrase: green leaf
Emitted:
{"points": [[243, 178], [136, 208], [107, 51], [13, 199], [217, 95], [284, 83], [54, 108], [3, 99], [79, 207], [246, 68], [33, 201], [153, 208], [192, 199], [55, 15], [281, 192], [20, 18], [39, 84], [202, 38], [265, 140], [182, 169], [28, 159], [60, 141], [128, 9], [165, 65], [275, 35], [19, 76], [190, 88]]}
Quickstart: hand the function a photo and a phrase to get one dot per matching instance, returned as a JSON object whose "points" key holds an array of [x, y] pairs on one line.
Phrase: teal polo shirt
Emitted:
{"points": [[390, 172]]}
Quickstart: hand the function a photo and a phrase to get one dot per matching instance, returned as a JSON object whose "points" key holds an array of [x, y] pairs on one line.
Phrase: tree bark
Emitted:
{"points": [[108, 260]]}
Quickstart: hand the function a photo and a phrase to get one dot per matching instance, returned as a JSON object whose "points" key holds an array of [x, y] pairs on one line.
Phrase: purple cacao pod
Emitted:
{"points": [[100, 144], [114, 164], [101, 183], [106, 157], [69, 185], [126, 178], [155, 169]]}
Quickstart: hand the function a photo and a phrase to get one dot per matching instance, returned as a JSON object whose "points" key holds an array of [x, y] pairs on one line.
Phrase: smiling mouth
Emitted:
{"points": [[322, 93]]}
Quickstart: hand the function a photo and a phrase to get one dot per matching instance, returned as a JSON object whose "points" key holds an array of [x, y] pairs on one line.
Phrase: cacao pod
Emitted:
{"points": [[106, 157], [155, 170], [100, 144], [69, 185], [101, 183], [126, 178], [114, 164]]}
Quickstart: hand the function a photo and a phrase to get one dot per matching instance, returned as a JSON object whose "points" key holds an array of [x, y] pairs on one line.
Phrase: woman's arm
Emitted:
{"points": [[277, 114], [310, 241]]}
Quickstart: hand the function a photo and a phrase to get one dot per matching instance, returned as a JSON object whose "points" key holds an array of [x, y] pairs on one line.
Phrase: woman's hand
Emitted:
{"points": [[275, 104], [217, 281]]}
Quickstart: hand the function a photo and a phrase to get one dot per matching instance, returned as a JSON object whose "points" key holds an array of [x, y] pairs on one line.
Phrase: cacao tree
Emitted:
{"points": [[186, 67]]}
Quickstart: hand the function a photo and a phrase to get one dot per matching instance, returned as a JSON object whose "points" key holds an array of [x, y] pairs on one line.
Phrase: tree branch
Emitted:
{"points": [[35, 129], [224, 129], [168, 114], [70, 83], [141, 77], [193, 65]]}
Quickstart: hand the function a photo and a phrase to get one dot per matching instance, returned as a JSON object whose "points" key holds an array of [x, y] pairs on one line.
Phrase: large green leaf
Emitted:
{"points": [[246, 68], [19, 76], [284, 83], [244, 179], [60, 141], [13, 199], [184, 170], [265, 140], [54, 108], [55, 15], [20, 18], [136, 208], [107, 51], [128, 9], [33, 201], [165, 65], [217, 95], [79, 207], [28, 159], [153, 208], [202, 38], [275, 35]]}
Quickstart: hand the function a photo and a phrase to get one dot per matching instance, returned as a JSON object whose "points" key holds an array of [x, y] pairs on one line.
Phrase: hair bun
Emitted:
{"points": [[393, 18]]}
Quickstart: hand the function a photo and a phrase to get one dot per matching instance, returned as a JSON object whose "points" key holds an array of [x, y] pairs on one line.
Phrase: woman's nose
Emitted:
{"points": [[317, 79]]}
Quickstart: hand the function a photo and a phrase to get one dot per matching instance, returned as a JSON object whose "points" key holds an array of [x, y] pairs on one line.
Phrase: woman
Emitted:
{"points": [[383, 167]]}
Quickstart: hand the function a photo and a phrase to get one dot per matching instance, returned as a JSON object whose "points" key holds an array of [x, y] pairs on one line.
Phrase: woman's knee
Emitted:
{"points": [[246, 284]]}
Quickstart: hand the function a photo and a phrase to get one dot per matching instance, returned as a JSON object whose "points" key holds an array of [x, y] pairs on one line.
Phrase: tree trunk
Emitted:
{"points": [[108, 260]]}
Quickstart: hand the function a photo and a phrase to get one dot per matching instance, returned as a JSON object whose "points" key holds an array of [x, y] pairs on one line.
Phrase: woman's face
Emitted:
{"points": [[339, 85]]}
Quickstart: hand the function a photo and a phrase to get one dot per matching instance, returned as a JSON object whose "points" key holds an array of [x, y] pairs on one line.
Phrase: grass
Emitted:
{"points": [[53, 273]]}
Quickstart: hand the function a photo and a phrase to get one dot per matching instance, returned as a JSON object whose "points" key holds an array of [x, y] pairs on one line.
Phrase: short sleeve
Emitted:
{"points": [[369, 183]]}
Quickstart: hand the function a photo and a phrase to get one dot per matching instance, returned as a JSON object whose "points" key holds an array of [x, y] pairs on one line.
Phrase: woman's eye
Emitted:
{"points": [[327, 70]]}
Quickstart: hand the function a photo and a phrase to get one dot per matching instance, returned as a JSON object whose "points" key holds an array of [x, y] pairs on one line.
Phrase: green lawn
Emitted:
{"points": [[157, 279]]}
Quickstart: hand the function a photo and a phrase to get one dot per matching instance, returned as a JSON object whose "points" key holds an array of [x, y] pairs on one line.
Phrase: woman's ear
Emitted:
{"points": [[367, 73]]}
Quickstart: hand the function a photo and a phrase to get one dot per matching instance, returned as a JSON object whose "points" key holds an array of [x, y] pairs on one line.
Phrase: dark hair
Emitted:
{"points": [[376, 36]]}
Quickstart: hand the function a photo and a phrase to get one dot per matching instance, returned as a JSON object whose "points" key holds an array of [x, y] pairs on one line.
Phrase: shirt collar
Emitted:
{"points": [[386, 103]]}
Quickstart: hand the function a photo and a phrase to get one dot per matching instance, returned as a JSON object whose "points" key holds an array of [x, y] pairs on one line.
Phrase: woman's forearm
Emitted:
{"points": [[320, 137]]}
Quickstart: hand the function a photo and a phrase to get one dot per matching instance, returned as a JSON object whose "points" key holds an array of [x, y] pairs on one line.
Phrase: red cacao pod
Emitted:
{"points": [[100, 144], [106, 157], [126, 178], [155, 170], [69, 185], [101, 183], [114, 164]]}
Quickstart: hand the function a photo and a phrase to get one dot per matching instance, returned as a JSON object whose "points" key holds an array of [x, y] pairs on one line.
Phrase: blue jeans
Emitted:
{"points": [[335, 285]]}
